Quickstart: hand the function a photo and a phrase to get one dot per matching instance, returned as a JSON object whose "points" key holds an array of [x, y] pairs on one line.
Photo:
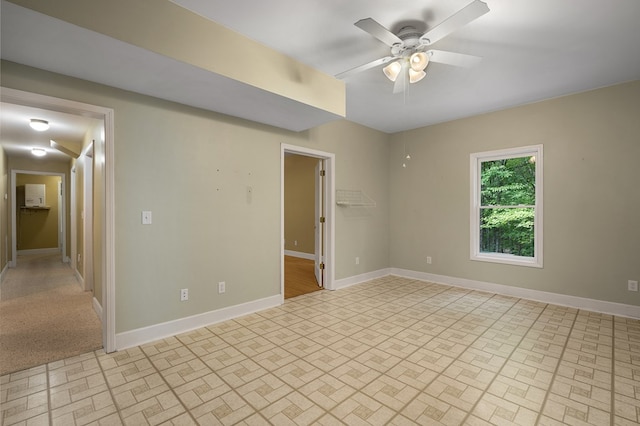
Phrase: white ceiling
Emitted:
{"points": [[531, 50], [17, 138]]}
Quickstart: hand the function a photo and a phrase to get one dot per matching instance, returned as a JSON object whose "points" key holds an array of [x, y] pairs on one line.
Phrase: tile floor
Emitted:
{"points": [[391, 351]]}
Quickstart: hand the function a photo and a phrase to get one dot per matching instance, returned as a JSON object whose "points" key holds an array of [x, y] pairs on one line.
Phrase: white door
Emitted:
{"points": [[319, 223]]}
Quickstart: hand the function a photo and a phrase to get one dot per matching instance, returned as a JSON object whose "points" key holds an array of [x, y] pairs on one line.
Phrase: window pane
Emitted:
{"points": [[508, 182], [508, 231]]}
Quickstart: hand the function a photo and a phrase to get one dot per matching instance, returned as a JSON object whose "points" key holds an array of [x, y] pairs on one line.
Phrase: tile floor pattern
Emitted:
{"points": [[391, 351]]}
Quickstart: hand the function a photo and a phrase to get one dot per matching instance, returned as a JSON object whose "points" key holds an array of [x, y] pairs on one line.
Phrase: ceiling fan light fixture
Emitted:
{"points": [[392, 70], [416, 76], [38, 152], [419, 61], [39, 125]]}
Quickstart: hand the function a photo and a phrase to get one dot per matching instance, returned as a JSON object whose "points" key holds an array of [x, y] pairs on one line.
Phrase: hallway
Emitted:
{"points": [[44, 314]]}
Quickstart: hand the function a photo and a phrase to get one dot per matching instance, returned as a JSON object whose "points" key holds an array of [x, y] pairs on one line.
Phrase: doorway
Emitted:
{"points": [[38, 228], [317, 261], [105, 186]]}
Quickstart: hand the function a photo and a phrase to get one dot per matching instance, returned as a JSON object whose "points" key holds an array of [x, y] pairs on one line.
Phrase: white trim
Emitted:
{"points": [[476, 160], [51, 250], [87, 220], [72, 219], [98, 308], [358, 279], [601, 306], [299, 254], [36, 100], [329, 195], [155, 332], [80, 278]]}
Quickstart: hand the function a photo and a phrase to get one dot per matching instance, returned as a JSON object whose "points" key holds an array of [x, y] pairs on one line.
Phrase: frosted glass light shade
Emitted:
{"points": [[39, 125], [416, 76], [419, 61], [38, 152], [392, 70]]}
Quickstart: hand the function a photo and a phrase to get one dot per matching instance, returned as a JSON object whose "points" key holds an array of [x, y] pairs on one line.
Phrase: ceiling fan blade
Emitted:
{"points": [[378, 31], [462, 17], [402, 80], [364, 67], [455, 59]]}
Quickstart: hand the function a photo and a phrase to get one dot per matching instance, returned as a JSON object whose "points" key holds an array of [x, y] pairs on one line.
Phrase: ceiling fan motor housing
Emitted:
{"points": [[411, 42]]}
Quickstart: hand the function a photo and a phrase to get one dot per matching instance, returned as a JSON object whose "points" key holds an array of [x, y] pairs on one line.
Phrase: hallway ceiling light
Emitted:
{"points": [[38, 152], [39, 125]]}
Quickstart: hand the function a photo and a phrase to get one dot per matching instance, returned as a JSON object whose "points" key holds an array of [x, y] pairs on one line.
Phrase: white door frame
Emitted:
{"points": [[329, 228], [20, 97], [87, 220], [72, 214], [14, 213], [318, 226]]}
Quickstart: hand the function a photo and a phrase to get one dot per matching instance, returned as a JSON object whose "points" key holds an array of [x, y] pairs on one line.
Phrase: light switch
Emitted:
{"points": [[146, 218]]}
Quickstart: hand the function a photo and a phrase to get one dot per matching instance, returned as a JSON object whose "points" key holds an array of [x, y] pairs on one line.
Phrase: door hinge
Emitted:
{"points": [[322, 219], [322, 265], [322, 172]]}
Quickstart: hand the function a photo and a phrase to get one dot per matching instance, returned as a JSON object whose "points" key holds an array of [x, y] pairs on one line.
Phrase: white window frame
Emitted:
{"points": [[476, 161]]}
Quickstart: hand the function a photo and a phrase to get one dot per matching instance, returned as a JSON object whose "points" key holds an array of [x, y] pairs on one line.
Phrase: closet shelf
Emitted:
{"points": [[35, 208], [353, 198]]}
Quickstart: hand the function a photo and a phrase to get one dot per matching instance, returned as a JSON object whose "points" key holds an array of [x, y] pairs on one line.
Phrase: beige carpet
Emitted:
{"points": [[44, 314]]}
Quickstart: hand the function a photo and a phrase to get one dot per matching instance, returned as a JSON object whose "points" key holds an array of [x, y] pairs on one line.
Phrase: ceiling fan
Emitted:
{"points": [[410, 53]]}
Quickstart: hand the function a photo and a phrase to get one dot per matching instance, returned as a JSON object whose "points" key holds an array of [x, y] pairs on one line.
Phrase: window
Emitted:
{"points": [[506, 206]]}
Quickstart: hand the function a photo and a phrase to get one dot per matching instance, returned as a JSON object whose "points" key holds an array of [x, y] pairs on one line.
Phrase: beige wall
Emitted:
{"points": [[191, 169], [299, 203], [4, 210], [78, 165], [37, 229], [591, 197], [97, 135]]}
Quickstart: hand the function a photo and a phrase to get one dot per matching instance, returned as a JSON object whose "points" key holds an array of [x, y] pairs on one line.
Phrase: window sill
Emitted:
{"points": [[530, 262]]}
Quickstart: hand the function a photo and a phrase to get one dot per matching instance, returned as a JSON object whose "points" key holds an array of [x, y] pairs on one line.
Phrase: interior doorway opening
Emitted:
{"points": [[309, 258], [38, 226], [105, 231]]}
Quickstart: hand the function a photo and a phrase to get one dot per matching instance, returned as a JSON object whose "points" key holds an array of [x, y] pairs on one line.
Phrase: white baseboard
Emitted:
{"points": [[357, 279], [301, 255], [80, 279], [98, 308], [171, 328], [601, 306], [155, 332]]}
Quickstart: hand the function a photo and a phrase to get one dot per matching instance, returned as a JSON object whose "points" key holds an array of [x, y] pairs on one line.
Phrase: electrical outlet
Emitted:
{"points": [[428, 260], [357, 260], [184, 294], [295, 242], [632, 285], [222, 287]]}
